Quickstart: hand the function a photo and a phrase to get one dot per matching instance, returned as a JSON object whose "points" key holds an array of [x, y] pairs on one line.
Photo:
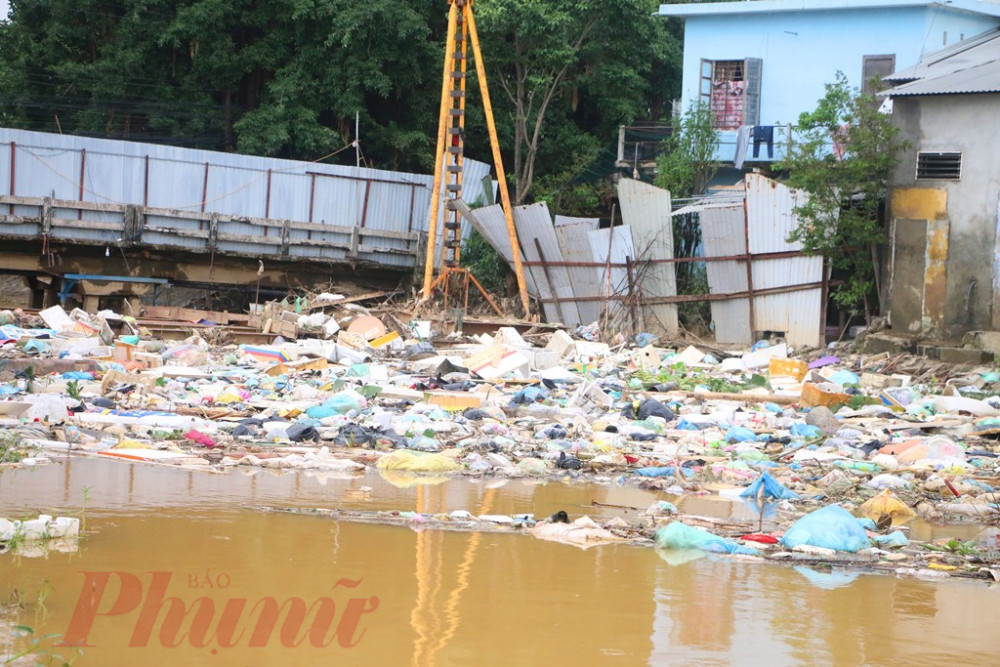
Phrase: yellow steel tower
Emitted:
{"points": [[449, 158]]}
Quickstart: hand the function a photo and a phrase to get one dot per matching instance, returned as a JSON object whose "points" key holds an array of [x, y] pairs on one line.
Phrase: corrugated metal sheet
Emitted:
{"points": [[575, 246], [534, 223], [116, 172], [961, 54], [771, 216], [989, 7], [723, 234], [493, 226], [646, 209], [984, 78], [612, 245]]}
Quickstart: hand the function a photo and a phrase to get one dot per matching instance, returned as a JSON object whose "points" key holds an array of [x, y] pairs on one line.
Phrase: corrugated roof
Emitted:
{"points": [[971, 66], [988, 7]]}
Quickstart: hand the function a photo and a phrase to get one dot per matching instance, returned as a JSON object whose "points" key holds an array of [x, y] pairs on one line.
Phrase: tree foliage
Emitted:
{"points": [[589, 60], [286, 77], [685, 166], [687, 162], [842, 157]]}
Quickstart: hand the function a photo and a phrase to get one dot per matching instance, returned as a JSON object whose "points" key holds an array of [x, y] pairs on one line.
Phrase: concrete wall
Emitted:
{"points": [[960, 271], [803, 50]]}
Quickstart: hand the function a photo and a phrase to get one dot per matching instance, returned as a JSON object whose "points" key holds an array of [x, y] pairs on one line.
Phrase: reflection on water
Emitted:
{"points": [[452, 598]]}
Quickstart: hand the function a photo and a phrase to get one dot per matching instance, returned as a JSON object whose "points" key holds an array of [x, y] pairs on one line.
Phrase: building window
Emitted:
{"points": [[876, 66], [939, 166], [731, 88]]}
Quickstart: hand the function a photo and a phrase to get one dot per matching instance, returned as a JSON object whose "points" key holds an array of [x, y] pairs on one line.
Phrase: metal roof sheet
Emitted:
{"points": [[971, 66], [988, 7]]}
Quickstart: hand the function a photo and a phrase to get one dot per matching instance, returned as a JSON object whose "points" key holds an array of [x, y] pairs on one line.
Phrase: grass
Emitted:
{"points": [[687, 379], [31, 643], [10, 449]]}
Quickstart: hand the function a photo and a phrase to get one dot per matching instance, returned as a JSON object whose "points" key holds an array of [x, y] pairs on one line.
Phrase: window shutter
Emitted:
{"points": [[752, 71], [872, 66], [705, 72]]}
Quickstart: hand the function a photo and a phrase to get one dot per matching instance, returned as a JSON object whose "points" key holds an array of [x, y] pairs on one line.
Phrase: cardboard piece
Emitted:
{"points": [[498, 361], [56, 318], [762, 357], [455, 400], [689, 356], [13, 408], [298, 366], [113, 378], [368, 326]]}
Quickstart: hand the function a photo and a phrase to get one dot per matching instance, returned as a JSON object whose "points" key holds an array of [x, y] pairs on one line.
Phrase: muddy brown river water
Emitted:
{"points": [[176, 569]]}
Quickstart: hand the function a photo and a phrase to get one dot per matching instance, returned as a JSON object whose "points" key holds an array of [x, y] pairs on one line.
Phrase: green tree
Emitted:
{"points": [[685, 166], [283, 78], [842, 157], [286, 77], [574, 64], [340, 57], [687, 162]]}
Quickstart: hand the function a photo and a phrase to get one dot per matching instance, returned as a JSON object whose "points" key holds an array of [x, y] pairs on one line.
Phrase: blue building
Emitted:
{"points": [[762, 63]]}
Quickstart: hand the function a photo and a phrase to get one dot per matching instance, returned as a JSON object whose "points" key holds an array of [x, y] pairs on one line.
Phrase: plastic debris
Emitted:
{"points": [[831, 527]]}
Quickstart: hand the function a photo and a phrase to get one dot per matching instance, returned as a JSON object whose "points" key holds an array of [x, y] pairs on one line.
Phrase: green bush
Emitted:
{"points": [[485, 263]]}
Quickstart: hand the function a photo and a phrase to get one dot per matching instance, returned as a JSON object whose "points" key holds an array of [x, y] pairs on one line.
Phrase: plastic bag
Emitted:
{"points": [[532, 466], [677, 535], [893, 539], [740, 434], [885, 504], [830, 527], [938, 448], [529, 395], [341, 403], [648, 408], [772, 488], [301, 432], [404, 459], [887, 481], [356, 435], [200, 438], [805, 431]]}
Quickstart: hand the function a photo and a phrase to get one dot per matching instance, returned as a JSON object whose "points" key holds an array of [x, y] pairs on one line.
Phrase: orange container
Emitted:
{"points": [[792, 368], [814, 394]]}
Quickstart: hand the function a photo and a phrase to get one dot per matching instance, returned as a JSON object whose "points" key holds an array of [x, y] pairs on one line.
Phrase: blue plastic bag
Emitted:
{"points": [[529, 395], [772, 488], [78, 375], [805, 431], [893, 539], [677, 535], [663, 471], [830, 527], [740, 434]]}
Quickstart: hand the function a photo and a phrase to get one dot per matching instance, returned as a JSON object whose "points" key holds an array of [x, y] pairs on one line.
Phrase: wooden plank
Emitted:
{"points": [[178, 314]]}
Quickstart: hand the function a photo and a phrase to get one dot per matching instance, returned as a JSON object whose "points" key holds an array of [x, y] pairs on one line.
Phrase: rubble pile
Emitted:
{"points": [[838, 452]]}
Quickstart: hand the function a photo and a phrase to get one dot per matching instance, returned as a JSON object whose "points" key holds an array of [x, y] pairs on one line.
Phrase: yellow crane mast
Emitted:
{"points": [[448, 164]]}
